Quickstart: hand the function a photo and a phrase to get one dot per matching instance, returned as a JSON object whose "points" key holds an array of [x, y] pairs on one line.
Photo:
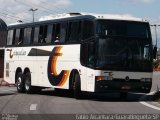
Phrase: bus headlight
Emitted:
{"points": [[98, 78], [146, 80]]}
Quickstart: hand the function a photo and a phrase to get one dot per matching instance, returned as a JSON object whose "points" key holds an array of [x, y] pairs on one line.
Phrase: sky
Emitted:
{"points": [[13, 10]]}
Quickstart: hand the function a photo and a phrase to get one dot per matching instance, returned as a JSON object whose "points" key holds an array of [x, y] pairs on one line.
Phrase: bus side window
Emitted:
{"points": [[74, 32], [17, 35], [57, 33], [53, 34], [21, 37], [87, 59], [49, 31], [36, 34], [40, 36], [10, 37], [88, 29], [43, 34], [63, 32], [27, 36], [14, 36]]}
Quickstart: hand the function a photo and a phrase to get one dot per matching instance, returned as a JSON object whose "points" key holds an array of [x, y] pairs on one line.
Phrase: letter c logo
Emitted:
{"points": [[54, 78]]}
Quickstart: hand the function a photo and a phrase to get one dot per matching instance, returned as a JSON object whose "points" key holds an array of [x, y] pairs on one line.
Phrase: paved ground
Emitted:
{"points": [[49, 104]]}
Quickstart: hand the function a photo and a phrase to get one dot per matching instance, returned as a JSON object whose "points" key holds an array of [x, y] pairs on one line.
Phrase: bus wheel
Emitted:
{"points": [[28, 87], [20, 82], [77, 87], [123, 95]]}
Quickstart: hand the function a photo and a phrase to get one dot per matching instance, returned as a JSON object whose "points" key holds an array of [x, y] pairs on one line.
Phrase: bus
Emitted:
{"points": [[82, 53]]}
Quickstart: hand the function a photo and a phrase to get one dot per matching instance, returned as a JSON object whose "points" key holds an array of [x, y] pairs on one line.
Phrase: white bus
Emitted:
{"points": [[81, 53]]}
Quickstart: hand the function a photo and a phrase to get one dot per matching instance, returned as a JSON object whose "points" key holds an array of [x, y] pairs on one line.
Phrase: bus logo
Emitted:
{"points": [[10, 53], [55, 78]]}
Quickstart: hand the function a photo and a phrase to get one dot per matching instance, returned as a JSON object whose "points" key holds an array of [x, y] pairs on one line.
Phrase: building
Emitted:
{"points": [[3, 35]]}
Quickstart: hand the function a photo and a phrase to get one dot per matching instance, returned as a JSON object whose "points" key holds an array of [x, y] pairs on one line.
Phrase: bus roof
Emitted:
{"points": [[81, 17], [78, 16], [126, 17]]}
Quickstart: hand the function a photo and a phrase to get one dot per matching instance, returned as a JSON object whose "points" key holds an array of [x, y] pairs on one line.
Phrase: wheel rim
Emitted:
{"points": [[27, 84], [19, 81]]}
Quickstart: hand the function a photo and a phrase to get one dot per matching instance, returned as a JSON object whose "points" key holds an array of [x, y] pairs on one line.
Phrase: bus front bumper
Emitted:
{"points": [[122, 86]]}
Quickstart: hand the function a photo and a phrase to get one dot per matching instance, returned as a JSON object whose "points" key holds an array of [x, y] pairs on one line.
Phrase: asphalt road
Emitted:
{"points": [[47, 103]]}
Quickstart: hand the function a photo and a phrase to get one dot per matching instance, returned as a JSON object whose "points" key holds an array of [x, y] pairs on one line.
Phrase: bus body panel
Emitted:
{"points": [[51, 64], [24, 57]]}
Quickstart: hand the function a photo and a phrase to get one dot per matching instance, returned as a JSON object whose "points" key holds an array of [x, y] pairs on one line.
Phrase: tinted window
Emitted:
{"points": [[10, 37], [88, 29], [36, 33], [122, 28], [21, 37], [48, 38], [57, 33], [88, 54], [53, 36], [41, 35], [27, 36], [63, 32], [17, 36], [74, 32]]}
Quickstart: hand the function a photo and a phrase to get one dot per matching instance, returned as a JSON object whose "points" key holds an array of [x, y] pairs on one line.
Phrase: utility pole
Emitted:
{"points": [[33, 10]]}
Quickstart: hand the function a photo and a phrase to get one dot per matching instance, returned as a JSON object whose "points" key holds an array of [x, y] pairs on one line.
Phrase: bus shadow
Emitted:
{"points": [[107, 97], [115, 97], [7, 94]]}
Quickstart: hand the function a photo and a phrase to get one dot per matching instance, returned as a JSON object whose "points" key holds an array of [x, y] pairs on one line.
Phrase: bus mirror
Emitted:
{"points": [[155, 52]]}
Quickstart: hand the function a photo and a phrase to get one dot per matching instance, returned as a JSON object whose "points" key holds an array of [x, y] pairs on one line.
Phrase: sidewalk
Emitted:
{"points": [[3, 83]]}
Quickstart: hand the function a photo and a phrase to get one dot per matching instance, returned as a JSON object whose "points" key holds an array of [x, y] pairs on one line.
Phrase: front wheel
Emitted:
{"points": [[20, 83], [77, 87]]}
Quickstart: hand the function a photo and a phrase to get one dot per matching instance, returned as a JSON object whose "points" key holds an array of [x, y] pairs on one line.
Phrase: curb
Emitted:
{"points": [[4, 83]]}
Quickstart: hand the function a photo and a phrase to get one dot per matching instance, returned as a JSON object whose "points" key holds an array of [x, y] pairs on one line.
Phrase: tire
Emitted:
{"points": [[27, 84], [77, 87], [20, 83]]}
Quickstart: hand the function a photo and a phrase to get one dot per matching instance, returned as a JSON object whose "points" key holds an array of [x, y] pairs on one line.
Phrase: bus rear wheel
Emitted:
{"points": [[27, 84], [20, 83], [77, 87]]}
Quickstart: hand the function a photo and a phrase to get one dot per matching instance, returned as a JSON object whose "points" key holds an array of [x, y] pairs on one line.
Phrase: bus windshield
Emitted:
{"points": [[124, 46], [122, 28]]}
